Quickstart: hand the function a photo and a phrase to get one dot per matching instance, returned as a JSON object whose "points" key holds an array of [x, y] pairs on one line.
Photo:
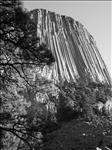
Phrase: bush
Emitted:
{"points": [[86, 100]]}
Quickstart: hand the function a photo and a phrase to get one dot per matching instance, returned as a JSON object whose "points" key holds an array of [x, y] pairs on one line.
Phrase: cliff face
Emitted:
{"points": [[73, 47]]}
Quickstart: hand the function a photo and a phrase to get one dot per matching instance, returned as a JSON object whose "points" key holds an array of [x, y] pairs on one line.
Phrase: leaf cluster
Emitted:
{"points": [[83, 100]]}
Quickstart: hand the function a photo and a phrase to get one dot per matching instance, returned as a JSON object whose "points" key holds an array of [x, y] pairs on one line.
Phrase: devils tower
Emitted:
{"points": [[72, 46]]}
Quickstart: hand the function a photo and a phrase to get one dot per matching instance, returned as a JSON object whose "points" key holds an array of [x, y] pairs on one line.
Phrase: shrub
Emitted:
{"points": [[84, 100]]}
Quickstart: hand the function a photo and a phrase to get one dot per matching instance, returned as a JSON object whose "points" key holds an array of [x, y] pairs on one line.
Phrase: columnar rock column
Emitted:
{"points": [[73, 47]]}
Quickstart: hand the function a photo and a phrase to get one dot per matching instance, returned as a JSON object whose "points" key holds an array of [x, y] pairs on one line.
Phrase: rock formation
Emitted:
{"points": [[73, 47]]}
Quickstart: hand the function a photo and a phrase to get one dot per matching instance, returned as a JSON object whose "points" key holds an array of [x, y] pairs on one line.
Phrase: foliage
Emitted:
{"points": [[18, 43], [81, 134], [84, 100], [44, 100], [29, 110], [20, 52]]}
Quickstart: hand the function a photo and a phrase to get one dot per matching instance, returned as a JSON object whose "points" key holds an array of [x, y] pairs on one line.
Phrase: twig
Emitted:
{"points": [[10, 130]]}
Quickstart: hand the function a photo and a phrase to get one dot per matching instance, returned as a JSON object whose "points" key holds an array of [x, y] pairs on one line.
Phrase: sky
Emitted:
{"points": [[96, 16]]}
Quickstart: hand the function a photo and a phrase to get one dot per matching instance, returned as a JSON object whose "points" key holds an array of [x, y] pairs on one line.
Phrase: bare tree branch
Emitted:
{"points": [[11, 130]]}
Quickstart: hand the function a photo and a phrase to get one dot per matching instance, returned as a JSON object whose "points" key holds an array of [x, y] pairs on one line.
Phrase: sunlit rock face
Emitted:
{"points": [[73, 47]]}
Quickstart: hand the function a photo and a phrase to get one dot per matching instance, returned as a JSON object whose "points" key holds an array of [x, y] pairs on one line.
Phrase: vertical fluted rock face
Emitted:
{"points": [[73, 47]]}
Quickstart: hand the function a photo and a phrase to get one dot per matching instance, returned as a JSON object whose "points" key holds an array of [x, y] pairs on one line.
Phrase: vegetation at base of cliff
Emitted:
{"points": [[48, 116], [35, 113], [85, 117], [85, 100]]}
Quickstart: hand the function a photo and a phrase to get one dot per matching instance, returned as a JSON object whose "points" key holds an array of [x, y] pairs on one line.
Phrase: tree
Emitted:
{"points": [[18, 40], [19, 53]]}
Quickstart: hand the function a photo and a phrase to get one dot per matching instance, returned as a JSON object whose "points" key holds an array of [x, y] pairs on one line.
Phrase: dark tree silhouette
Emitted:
{"points": [[19, 50]]}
